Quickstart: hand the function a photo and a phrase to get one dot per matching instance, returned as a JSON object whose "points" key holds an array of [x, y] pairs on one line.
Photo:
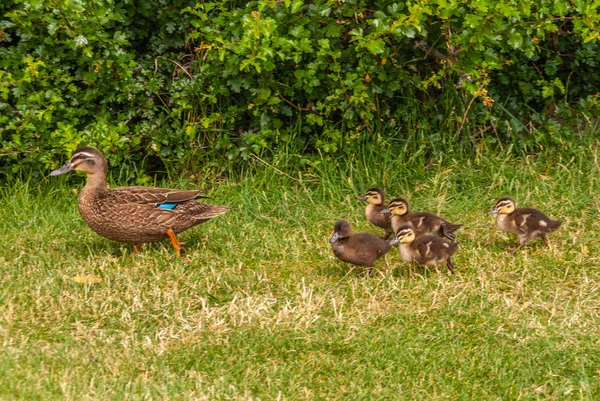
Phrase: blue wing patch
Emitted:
{"points": [[168, 206]]}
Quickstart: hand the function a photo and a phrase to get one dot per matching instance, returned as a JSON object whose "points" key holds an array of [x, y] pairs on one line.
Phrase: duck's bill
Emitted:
{"points": [[362, 198], [67, 168], [394, 241], [334, 238], [385, 211], [493, 211]]}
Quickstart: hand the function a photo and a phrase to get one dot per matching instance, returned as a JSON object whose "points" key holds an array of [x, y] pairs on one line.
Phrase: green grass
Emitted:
{"points": [[260, 309]]}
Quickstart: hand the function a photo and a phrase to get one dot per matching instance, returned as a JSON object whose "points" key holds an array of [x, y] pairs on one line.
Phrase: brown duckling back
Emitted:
{"points": [[361, 249], [526, 223], [425, 250], [423, 223]]}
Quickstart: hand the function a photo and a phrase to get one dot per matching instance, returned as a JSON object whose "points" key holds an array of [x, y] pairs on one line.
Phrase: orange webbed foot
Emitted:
{"points": [[176, 244]]}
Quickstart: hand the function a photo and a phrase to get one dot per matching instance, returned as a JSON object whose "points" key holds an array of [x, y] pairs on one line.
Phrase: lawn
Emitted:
{"points": [[259, 308]]}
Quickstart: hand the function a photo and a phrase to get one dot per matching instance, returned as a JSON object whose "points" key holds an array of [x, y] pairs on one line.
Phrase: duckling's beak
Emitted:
{"points": [[394, 241], [67, 168], [385, 211], [493, 211], [362, 198], [334, 237]]}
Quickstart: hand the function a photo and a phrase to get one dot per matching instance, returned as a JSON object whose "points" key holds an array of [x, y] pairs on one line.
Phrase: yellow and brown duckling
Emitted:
{"points": [[526, 223], [361, 249], [421, 222], [134, 214], [425, 250], [376, 197]]}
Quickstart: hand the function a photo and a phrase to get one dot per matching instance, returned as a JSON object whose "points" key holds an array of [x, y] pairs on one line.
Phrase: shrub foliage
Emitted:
{"points": [[158, 80]]}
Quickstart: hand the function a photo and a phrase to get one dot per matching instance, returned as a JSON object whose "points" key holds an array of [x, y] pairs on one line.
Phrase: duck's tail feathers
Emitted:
{"points": [[451, 227], [554, 224], [448, 230], [210, 212]]}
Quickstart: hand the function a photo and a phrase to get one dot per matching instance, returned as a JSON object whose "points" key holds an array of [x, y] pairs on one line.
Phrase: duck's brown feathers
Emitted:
{"points": [[361, 249], [426, 223], [423, 223], [424, 250], [156, 196], [134, 216], [527, 224], [428, 250], [376, 198], [383, 221]]}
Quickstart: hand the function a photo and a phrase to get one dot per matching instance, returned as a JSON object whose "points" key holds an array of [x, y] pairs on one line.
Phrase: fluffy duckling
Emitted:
{"points": [[422, 223], [425, 250], [361, 249], [375, 197], [527, 224]]}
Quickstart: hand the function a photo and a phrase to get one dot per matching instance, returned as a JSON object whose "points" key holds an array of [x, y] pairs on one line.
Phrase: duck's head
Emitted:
{"points": [[374, 196], [87, 160], [404, 234], [341, 230], [397, 206], [504, 205]]}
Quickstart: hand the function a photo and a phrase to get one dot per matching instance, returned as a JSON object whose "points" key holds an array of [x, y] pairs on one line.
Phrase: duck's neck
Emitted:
{"points": [[96, 184]]}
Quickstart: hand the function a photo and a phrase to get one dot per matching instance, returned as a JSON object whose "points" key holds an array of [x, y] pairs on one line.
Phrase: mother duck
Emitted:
{"points": [[134, 214]]}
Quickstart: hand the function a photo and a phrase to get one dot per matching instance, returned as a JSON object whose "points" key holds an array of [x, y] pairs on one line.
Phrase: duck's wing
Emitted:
{"points": [[152, 196]]}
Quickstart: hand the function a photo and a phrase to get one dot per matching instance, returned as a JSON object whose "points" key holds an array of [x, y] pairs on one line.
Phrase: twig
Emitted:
{"points": [[19, 153], [308, 107], [462, 123], [174, 62], [14, 109]]}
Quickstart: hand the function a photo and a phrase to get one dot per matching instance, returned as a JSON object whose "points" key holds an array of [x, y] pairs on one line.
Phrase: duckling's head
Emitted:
{"points": [[341, 230], [374, 196], [397, 206], [404, 234], [85, 159], [504, 205]]}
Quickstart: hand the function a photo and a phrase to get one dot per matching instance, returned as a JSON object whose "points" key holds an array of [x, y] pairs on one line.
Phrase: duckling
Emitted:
{"points": [[361, 249], [425, 250], [527, 224], [134, 214], [422, 222], [375, 197]]}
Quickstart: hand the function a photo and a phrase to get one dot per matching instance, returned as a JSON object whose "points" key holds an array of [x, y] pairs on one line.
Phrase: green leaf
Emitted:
{"points": [[515, 40], [548, 91], [558, 84], [376, 46], [296, 5]]}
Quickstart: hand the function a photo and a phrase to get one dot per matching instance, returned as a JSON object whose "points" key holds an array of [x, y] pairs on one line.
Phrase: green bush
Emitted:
{"points": [[160, 81]]}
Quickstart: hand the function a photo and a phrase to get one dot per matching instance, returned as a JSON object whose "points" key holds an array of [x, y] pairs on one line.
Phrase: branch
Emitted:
{"points": [[174, 62], [19, 153], [309, 107]]}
